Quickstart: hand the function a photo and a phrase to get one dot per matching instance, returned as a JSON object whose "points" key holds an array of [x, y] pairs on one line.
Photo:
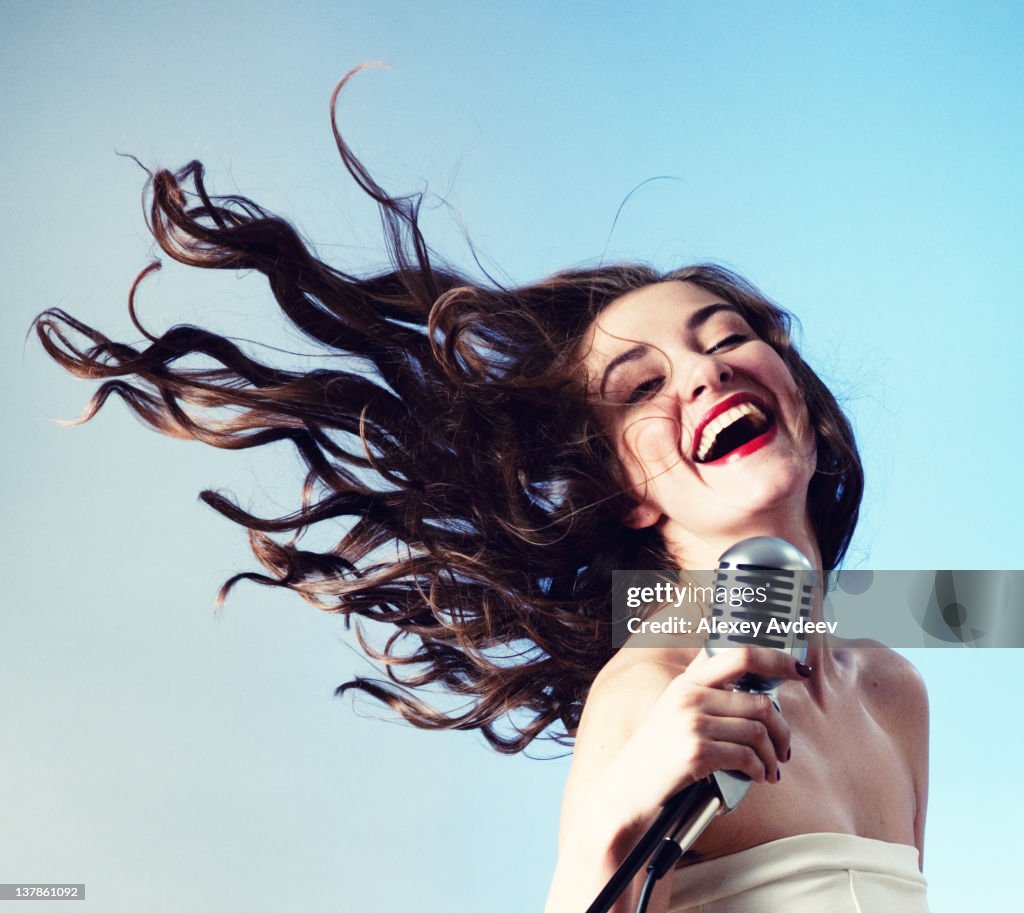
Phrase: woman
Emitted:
{"points": [[496, 453], [844, 829]]}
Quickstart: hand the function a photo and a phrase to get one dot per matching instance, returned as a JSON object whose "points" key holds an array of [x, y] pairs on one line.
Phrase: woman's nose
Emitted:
{"points": [[710, 373]]}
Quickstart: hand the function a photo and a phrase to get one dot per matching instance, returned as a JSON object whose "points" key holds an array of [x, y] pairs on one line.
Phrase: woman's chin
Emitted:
{"points": [[767, 483], [773, 505]]}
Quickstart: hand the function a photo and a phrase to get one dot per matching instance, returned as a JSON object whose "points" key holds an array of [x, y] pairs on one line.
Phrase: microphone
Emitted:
{"points": [[763, 585], [762, 588]]}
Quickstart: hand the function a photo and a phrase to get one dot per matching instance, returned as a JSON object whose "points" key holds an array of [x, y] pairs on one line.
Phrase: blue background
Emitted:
{"points": [[859, 162]]}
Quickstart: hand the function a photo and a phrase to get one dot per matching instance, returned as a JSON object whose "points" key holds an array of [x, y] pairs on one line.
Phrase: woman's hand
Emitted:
{"points": [[649, 731], [697, 726]]}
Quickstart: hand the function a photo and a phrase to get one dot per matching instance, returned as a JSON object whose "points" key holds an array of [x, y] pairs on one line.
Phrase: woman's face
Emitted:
{"points": [[706, 419]]}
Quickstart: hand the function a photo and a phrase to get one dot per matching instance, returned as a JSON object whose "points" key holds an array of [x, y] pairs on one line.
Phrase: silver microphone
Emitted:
{"points": [[763, 594], [763, 587]]}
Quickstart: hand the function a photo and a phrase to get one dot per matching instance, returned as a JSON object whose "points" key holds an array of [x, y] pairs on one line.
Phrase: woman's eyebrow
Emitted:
{"points": [[631, 354], [704, 314]]}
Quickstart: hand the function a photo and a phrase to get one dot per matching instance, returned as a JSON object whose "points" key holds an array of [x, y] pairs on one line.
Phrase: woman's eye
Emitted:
{"points": [[734, 340], [646, 389]]}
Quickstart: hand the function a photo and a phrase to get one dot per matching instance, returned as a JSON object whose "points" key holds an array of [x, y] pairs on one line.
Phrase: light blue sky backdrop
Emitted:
{"points": [[860, 162]]}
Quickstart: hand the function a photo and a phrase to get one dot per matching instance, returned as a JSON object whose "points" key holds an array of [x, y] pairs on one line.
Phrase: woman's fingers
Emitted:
{"points": [[750, 720], [755, 714], [699, 725], [760, 758], [741, 758]]}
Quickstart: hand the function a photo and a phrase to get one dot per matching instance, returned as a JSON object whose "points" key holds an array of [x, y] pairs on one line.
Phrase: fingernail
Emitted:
{"points": [[778, 774], [803, 670], [789, 753]]}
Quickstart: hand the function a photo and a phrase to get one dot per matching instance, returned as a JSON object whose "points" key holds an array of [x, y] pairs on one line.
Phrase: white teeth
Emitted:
{"points": [[713, 428]]}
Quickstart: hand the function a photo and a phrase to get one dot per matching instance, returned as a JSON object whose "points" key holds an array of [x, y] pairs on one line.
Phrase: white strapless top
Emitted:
{"points": [[809, 873]]}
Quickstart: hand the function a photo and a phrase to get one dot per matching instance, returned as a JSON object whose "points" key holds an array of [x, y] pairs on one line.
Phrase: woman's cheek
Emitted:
{"points": [[654, 441], [803, 430]]}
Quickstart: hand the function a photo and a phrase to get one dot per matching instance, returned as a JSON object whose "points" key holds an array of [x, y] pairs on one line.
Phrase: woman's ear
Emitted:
{"points": [[641, 517]]}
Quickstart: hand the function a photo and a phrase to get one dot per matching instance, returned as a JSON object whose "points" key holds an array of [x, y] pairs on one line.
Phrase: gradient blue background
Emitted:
{"points": [[860, 162]]}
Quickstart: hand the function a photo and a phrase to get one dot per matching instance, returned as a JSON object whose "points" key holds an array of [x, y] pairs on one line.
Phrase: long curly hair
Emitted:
{"points": [[477, 504]]}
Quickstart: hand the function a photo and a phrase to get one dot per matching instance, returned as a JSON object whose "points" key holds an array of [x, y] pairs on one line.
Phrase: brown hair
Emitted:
{"points": [[447, 434]]}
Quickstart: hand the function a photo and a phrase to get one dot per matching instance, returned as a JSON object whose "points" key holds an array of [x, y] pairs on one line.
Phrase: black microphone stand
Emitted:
{"points": [[678, 825]]}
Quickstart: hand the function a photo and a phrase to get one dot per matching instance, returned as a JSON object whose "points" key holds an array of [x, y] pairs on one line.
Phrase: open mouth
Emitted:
{"points": [[740, 428]]}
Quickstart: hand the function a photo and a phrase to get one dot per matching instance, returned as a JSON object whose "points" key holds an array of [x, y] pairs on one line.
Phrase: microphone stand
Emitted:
{"points": [[680, 822]]}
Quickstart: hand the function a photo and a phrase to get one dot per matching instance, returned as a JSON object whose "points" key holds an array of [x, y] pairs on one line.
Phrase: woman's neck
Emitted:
{"points": [[702, 552]]}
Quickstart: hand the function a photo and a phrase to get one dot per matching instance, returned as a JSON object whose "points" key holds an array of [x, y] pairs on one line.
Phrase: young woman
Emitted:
{"points": [[667, 365], [494, 454]]}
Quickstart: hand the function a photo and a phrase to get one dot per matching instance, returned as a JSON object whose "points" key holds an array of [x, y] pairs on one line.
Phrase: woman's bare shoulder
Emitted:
{"points": [[894, 691], [619, 700], [629, 683], [886, 676], [891, 687]]}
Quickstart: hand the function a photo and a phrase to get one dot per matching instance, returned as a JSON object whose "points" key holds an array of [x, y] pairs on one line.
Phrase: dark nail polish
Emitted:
{"points": [[803, 670], [778, 774], [789, 753]]}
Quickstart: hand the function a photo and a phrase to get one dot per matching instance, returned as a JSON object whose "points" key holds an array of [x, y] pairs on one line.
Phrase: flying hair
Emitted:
{"points": [[449, 449]]}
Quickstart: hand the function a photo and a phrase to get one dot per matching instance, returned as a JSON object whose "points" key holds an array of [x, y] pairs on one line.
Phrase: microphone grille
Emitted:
{"points": [[758, 580]]}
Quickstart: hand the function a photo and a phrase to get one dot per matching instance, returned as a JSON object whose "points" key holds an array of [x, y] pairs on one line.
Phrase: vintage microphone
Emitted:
{"points": [[761, 565]]}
